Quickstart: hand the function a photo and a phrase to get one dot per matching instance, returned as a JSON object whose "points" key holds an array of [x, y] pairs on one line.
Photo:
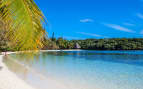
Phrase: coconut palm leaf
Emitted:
{"points": [[24, 23]]}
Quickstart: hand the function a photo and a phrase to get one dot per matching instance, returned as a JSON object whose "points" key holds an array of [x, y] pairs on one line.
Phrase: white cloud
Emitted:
{"points": [[140, 15], [86, 20], [120, 28], [91, 34], [129, 24]]}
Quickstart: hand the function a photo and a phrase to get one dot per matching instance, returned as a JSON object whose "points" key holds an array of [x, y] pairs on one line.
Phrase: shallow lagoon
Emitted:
{"points": [[81, 69]]}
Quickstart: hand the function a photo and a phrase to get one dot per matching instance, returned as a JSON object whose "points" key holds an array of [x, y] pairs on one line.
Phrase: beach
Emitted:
{"points": [[9, 80]]}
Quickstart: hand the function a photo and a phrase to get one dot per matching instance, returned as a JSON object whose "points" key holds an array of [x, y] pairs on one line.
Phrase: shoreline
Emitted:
{"points": [[61, 50], [9, 80]]}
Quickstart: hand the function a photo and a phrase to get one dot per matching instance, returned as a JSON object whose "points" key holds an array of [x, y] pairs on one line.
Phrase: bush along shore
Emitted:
{"points": [[96, 44], [87, 44]]}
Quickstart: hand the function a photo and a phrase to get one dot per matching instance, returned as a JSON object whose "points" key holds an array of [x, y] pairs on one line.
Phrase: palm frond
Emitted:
{"points": [[25, 23]]}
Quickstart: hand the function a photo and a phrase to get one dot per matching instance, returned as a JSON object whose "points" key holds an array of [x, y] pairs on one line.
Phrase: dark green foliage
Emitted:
{"points": [[49, 44], [59, 43], [112, 44], [98, 44], [90, 44], [53, 37]]}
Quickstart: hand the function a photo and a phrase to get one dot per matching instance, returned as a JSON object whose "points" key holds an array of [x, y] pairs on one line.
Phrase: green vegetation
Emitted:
{"points": [[59, 43], [99, 44], [112, 44], [21, 25]]}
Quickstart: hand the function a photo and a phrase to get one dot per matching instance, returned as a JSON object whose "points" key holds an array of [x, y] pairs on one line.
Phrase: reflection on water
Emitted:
{"points": [[82, 69], [16, 67]]}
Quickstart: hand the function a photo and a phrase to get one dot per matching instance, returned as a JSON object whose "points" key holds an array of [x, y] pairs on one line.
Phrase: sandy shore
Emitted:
{"points": [[9, 80], [61, 50]]}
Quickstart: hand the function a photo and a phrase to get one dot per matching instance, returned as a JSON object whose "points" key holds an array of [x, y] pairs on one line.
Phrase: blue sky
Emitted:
{"points": [[82, 19]]}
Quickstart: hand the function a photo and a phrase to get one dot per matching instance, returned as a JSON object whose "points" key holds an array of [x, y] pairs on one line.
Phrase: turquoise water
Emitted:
{"points": [[84, 69]]}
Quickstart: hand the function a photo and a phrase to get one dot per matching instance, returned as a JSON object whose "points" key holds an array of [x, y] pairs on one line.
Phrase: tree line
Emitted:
{"points": [[87, 44], [96, 44]]}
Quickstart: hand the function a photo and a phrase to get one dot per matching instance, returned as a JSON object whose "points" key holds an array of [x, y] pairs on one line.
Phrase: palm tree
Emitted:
{"points": [[24, 22]]}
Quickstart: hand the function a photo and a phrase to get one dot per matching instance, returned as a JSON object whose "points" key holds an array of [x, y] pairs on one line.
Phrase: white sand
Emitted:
{"points": [[9, 80], [62, 50]]}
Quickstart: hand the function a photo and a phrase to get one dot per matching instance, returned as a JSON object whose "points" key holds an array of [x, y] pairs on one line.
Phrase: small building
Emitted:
{"points": [[77, 46]]}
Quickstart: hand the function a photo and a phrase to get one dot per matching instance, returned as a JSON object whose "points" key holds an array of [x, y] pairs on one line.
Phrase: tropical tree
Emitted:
{"points": [[24, 22], [61, 43]]}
